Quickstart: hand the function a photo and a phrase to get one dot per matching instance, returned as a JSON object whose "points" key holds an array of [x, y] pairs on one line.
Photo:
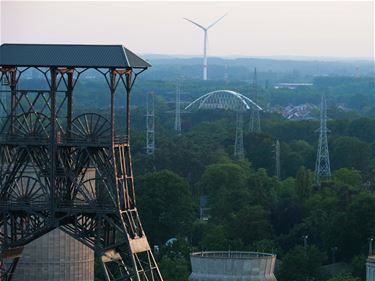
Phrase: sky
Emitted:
{"points": [[340, 29]]}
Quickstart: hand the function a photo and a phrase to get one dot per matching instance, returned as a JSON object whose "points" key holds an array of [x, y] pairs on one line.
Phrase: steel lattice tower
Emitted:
{"points": [[255, 115], [322, 165], [238, 145], [42, 136], [177, 119], [150, 123], [277, 159]]}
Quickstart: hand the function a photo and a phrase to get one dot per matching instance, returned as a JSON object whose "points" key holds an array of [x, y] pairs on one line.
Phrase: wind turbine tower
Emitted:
{"points": [[205, 38], [322, 165]]}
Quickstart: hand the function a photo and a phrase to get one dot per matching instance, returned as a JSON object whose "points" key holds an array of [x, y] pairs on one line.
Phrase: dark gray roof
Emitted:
{"points": [[45, 55]]}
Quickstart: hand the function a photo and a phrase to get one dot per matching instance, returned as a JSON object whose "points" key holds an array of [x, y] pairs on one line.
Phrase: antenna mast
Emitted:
{"points": [[255, 115], [150, 123], [177, 120], [322, 165], [226, 77]]}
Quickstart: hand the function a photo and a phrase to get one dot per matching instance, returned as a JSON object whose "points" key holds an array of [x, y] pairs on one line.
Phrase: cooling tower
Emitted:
{"points": [[370, 273], [232, 266]]}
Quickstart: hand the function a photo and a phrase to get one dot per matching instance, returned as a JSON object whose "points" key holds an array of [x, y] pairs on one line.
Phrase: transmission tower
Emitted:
{"points": [[255, 115], [322, 165], [277, 158], [238, 145], [150, 124], [177, 119]]}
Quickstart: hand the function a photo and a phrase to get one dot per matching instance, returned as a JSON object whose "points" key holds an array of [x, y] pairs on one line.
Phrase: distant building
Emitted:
{"points": [[292, 86], [299, 112], [370, 273], [232, 266]]}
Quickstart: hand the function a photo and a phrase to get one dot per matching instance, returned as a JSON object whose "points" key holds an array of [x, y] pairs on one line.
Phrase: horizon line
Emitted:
{"points": [[276, 57]]}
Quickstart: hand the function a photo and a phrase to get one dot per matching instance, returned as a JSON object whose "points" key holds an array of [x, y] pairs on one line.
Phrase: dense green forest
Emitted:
{"points": [[250, 208]]}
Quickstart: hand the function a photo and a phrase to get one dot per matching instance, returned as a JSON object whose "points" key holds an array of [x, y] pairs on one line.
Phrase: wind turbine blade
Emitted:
{"points": [[215, 22], [197, 24]]}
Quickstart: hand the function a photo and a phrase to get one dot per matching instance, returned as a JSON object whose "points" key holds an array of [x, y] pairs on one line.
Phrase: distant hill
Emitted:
{"points": [[274, 70]]}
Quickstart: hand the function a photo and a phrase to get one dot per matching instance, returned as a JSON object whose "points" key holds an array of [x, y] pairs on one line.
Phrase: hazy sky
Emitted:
{"points": [[329, 29]]}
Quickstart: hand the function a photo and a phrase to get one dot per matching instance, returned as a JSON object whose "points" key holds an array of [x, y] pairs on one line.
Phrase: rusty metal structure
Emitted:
{"points": [[40, 132]]}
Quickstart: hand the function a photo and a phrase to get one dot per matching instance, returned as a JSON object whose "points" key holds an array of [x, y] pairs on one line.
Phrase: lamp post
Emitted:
{"points": [[305, 237], [370, 241], [334, 249]]}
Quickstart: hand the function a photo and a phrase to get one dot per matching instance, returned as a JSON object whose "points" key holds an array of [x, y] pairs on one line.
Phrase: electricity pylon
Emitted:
{"points": [[322, 165], [238, 145]]}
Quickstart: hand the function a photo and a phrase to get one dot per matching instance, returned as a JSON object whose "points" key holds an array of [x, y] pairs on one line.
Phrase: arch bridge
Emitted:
{"points": [[228, 100]]}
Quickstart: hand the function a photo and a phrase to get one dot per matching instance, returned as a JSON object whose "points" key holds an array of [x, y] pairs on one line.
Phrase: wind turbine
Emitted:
{"points": [[205, 30]]}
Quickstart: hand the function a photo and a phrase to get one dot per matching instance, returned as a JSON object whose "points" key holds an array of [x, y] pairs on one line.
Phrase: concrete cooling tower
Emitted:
{"points": [[232, 266], [370, 273]]}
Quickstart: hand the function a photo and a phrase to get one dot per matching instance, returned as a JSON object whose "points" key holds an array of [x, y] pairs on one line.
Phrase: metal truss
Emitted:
{"points": [[72, 172], [322, 165], [255, 121], [228, 100], [223, 99], [238, 144]]}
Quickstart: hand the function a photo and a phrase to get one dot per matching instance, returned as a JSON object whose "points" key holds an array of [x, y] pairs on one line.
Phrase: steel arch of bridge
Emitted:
{"points": [[223, 99], [228, 100]]}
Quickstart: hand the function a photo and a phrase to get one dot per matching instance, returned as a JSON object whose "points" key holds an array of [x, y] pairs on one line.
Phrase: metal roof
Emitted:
{"points": [[91, 56]]}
